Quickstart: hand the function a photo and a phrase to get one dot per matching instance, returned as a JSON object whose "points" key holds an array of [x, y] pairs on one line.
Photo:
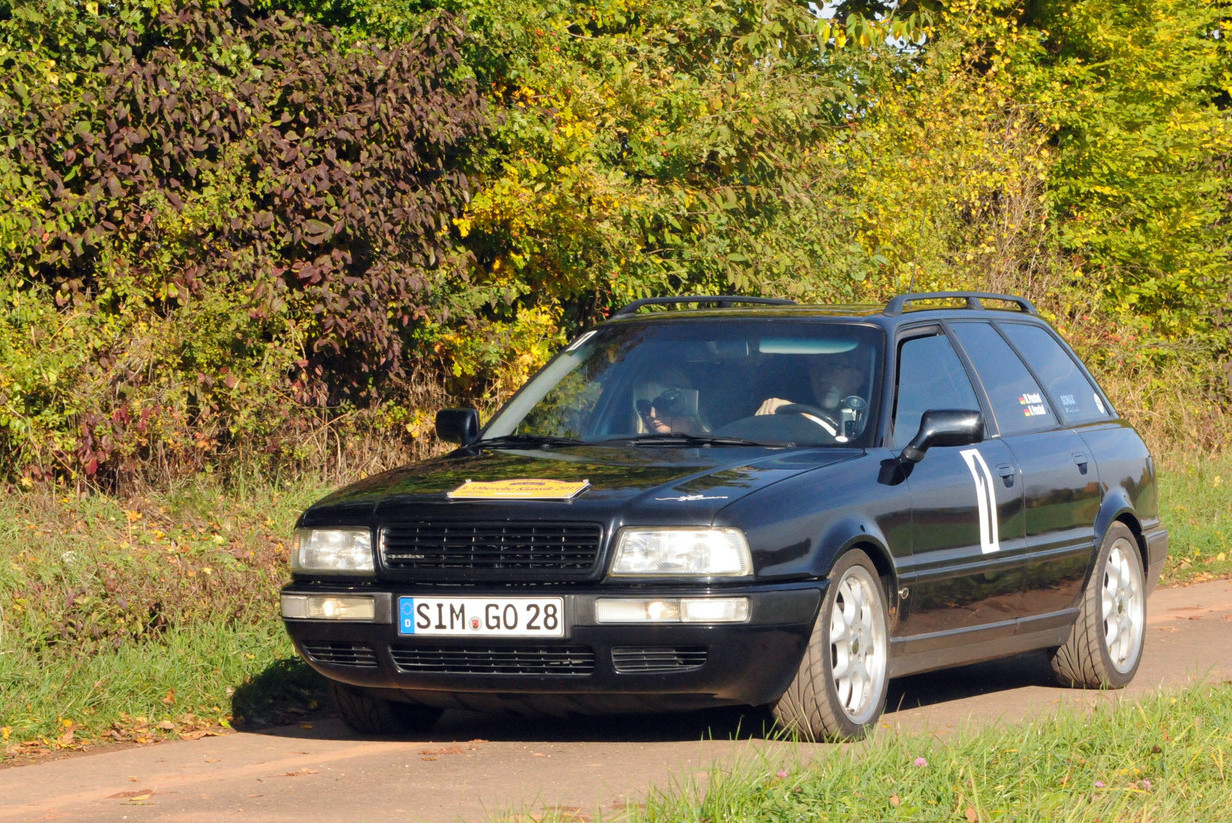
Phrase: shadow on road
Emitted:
{"points": [[920, 690], [289, 699]]}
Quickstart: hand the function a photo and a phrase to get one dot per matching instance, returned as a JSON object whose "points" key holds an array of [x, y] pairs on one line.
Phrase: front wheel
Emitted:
{"points": [[365, 713], [839, 690], [1105, 646]]}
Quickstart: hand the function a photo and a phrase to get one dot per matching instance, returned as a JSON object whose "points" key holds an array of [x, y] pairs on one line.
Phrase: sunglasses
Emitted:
{"points": [[670, 403]]}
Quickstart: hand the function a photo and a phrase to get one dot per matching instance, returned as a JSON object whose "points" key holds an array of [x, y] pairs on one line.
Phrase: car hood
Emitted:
{"points": [[629, 484]]}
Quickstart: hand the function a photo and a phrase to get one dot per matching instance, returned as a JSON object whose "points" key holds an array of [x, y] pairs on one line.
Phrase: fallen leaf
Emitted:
{"points": [[198, 734], [895, 801], [972, 815]]}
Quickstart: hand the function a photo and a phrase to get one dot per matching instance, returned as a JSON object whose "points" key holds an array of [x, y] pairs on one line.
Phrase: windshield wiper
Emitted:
{"points": [[682, 439], [532, 440]]}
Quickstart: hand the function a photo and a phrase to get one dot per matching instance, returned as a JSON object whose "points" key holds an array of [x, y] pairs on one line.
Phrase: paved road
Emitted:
{"points": [[477, 768]]}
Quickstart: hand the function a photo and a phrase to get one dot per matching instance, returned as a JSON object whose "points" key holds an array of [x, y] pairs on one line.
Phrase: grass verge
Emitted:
{"points": [[1166, 758], [145, 618], [1196, 507]]}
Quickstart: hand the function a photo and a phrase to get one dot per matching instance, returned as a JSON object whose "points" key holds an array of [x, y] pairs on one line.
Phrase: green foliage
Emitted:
{"points": [[249, 230], [949, 174], [1076, 153], [217, 216], [651, 148], [1139, 188]]}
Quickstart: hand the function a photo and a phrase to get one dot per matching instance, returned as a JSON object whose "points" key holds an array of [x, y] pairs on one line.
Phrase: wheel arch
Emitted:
{"points": [[1116, 508], [850, 533]]}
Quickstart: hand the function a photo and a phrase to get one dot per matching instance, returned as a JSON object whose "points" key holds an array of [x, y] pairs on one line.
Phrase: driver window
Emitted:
{"points": [[930, 376]]}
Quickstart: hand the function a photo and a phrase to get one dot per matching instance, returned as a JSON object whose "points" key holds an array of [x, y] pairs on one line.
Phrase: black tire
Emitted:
{"points": [[367, 714], [1105, 645], [839, 691]]}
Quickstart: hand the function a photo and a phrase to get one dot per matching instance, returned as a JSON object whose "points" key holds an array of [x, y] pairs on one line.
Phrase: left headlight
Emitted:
{"points": [[642, 552], [333, 551]]}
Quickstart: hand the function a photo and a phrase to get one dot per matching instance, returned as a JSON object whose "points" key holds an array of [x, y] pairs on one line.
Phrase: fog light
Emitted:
{"points": [[672, 610], [328, 607], [660, 610]]}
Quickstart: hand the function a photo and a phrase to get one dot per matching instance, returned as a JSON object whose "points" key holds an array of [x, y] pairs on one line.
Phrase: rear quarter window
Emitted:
{"points": [[1018, 402], [1076, 398]]}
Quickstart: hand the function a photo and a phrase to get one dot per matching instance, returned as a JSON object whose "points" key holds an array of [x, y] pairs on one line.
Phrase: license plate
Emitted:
{"points": [[481, 616]]}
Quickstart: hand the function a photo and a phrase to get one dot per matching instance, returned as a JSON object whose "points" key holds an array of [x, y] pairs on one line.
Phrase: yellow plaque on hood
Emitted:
{"points": [[524, 489]]}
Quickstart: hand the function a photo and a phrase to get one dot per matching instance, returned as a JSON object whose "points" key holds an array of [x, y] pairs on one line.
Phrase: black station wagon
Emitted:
{"points": [[743, 502]]}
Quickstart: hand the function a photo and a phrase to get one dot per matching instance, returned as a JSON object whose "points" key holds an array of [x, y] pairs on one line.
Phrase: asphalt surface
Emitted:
{"points": [[477, 768]]}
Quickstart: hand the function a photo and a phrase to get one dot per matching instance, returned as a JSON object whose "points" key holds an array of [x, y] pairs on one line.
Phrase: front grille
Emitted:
{"points": [[466, 552], [652, 659], [354, 655], [575, 661]]}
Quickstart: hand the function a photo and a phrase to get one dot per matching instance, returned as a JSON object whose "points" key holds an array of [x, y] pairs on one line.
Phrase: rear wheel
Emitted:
{"points": [[365, 713], [1105, 646], [840, 688]]}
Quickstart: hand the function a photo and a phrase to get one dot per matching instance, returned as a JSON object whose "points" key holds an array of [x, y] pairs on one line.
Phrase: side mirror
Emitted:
{"points": [[458, 426], [944, 427]]}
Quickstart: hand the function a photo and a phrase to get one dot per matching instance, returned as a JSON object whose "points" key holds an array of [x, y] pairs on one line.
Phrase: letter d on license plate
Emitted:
{"points": [[482, 616]]}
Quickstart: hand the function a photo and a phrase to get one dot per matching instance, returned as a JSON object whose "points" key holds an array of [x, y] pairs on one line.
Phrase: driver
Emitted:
{"points": [[830, 381]]}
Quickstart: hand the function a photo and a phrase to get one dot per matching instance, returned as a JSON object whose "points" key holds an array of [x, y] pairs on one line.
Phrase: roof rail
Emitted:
{"points": [[897, 305], [715, 300]]}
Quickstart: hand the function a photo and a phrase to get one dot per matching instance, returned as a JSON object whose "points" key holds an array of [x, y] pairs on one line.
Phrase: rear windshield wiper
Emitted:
{"points": [[531, 440], [681, 439]]}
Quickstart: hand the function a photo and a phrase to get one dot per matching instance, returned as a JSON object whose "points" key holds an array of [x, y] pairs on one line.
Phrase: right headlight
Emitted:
{"points": [[333, 551], [681, 552]]}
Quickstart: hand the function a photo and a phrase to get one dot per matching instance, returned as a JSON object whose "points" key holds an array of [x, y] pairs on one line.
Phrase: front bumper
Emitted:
{"points": [[594, 668]]}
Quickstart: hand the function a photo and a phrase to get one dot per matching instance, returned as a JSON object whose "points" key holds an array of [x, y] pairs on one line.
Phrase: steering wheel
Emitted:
{"points": [[821, 417]]}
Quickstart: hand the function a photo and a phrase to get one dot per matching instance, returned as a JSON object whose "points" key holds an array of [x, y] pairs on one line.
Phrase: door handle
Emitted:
{"points": [[1081, 460], [1008, 472]]}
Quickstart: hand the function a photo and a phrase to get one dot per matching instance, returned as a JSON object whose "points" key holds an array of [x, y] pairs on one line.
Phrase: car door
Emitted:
{"points": [[1060, 477], [964, 572]]}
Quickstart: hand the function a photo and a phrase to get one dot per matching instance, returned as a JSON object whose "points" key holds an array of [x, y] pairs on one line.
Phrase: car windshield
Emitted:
{"points": [[702, 381]]}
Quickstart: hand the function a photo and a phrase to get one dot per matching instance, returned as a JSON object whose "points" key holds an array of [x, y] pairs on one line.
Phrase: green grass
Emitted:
{"points": [[187, 682], [143, 618], [1196, 507], [1166, 758]]}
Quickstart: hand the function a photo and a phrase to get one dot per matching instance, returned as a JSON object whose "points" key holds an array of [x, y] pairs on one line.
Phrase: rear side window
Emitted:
{"points": [[1076, 398], [1017, 400], [930, 376]]}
